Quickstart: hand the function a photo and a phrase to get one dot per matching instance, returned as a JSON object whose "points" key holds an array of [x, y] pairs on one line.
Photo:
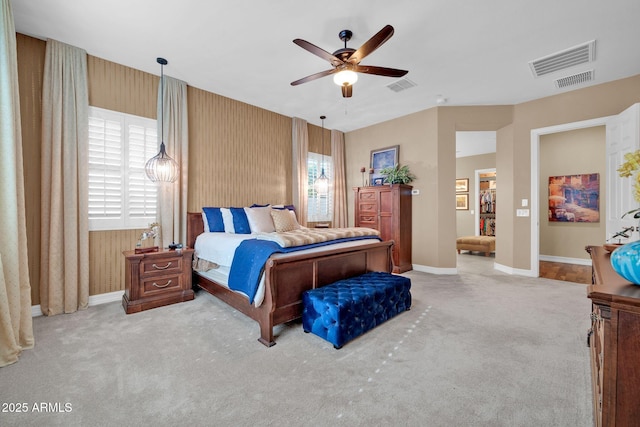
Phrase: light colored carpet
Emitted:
{"points": [[480, 348]]}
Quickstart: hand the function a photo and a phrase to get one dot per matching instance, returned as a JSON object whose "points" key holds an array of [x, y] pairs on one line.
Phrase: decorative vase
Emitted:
{"points": [[626, 261]]}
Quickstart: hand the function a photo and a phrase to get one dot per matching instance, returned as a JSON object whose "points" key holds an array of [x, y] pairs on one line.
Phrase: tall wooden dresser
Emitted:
{"points": [[387, 208], [614, 339]]}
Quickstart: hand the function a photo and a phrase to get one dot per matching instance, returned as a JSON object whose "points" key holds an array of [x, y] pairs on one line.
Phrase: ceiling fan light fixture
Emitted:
{"points": [[345, 78]]}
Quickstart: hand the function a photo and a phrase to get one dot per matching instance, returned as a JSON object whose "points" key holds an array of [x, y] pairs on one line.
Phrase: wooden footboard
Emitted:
{"points": [[287, 277]]}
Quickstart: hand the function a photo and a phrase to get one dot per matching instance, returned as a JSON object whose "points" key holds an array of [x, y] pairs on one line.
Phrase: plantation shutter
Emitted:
{"points": [[120, 195]]}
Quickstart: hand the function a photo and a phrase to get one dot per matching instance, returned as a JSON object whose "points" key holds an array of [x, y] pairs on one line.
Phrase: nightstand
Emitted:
{"points": [[155, 279]]}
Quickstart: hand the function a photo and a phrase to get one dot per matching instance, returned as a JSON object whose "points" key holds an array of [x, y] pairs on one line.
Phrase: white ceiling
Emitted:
{"points": [[469, 52], [474, 143]]}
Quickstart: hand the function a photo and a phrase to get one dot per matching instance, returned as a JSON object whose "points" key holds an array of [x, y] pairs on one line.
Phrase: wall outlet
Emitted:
{"points": [[525, 202], [415, 192]]}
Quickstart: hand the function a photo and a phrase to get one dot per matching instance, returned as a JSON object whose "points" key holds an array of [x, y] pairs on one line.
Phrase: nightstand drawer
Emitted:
{"points": [[166, 265], [159, 284]]}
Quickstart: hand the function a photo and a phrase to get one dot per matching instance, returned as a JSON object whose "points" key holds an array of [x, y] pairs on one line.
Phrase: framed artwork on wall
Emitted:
{"points": [[383, 158], [574, 198], [462, 202], [462, 185]]}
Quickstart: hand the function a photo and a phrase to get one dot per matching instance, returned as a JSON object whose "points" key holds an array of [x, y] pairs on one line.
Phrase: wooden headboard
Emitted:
{"points": [[195, 227]]}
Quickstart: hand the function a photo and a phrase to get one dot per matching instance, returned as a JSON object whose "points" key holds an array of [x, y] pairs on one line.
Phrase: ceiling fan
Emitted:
{"points": [[346, 61]]}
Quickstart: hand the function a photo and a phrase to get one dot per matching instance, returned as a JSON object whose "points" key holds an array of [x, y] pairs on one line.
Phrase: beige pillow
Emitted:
{"points": [[284, 220]]}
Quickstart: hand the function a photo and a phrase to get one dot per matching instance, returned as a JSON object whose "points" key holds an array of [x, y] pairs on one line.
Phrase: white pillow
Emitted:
{"points": [[260, 219], [205, 221], [227, 219]]}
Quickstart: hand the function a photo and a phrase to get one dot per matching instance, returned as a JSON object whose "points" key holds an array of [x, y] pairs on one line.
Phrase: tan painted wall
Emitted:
{"points": [[505, 243], [427, 142], [466, 168], [513, 162], [586, 150], [583, 104]]}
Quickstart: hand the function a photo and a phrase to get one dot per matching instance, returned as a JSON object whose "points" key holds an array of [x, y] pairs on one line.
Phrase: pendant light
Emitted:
{"points": [[162, 168], [322, 183]]}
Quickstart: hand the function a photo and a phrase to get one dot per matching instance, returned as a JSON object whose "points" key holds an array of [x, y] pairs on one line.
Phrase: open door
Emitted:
{"points": [[623, 136]]}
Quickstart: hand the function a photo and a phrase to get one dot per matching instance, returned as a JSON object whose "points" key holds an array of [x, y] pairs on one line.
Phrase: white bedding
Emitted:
{"points": [[219, 248]]}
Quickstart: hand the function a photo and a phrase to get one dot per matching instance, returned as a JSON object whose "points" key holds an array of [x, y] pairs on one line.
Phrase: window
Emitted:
{"points": [[120, 195], [320, 207]]}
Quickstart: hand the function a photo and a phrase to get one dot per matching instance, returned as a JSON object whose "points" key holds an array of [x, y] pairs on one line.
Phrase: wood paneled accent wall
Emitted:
{"points": [[239, 154]]}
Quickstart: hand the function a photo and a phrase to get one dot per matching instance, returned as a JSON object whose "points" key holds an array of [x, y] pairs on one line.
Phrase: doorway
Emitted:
{"points": [[535, 180]]}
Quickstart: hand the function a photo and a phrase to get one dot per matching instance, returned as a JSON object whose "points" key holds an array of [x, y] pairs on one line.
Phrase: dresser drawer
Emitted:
{"points": [[368, 207], [153, 266], [370, 221], [154, 285], [367, 196]]}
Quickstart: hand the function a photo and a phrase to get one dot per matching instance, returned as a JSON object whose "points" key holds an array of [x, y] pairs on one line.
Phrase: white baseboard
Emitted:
{"points": [[434, 270], [565, 260], [93, 300], [513, 271]]}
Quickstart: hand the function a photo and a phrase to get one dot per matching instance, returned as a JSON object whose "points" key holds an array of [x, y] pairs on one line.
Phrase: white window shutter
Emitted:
{"points": [[120, 194]]}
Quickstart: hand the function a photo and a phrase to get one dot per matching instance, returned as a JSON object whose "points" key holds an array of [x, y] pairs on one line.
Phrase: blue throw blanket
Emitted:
{"points": [[251, 256]]}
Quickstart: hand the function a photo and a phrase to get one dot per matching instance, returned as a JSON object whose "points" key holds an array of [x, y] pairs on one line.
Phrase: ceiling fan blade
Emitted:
{"points": [[347, 91], [379, 71], [314, 76], [318, 51], [372, 44]]}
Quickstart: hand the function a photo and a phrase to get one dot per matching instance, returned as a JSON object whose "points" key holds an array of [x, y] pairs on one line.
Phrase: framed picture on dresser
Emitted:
{"points": [[383, 158]]}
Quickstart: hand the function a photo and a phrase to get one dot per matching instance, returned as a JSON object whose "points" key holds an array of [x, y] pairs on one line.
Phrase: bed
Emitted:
{"points": [[287, 276]]}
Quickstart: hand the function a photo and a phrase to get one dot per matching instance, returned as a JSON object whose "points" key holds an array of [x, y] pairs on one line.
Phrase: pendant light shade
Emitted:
{"points": [[161, 167], [321, 184]]}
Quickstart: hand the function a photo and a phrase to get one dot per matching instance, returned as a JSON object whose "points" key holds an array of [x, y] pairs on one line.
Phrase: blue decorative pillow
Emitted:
{"points": [[240, 221], [214, 219], [283, 207]]}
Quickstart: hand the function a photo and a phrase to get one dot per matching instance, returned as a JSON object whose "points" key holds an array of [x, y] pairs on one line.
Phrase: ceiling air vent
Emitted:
{"points": [[576, 79], [576, 55], [401, 84]]}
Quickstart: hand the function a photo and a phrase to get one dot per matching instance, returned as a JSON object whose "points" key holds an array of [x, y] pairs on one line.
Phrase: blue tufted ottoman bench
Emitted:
{"points": [[348, 308]]}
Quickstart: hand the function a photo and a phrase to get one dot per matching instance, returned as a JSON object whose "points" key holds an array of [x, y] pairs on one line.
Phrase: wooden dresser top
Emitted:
{"points": [[609, 286]]}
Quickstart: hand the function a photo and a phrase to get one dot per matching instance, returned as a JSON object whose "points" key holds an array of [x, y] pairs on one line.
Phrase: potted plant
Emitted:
{"points": [[397, 174]]}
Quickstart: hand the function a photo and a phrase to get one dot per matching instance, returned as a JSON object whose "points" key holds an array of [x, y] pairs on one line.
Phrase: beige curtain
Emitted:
{"points": [[172, 200], [16, 332], [339, 180], [64, 251], [300, 138]]}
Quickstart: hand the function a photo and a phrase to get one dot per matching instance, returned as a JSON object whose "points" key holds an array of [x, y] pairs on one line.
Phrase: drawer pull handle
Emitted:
{"points": [[162, 286], [162, 268]]}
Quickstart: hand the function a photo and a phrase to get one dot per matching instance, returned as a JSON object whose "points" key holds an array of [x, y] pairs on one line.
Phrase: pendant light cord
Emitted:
{"points": [[322, 118], [162, 63]]}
